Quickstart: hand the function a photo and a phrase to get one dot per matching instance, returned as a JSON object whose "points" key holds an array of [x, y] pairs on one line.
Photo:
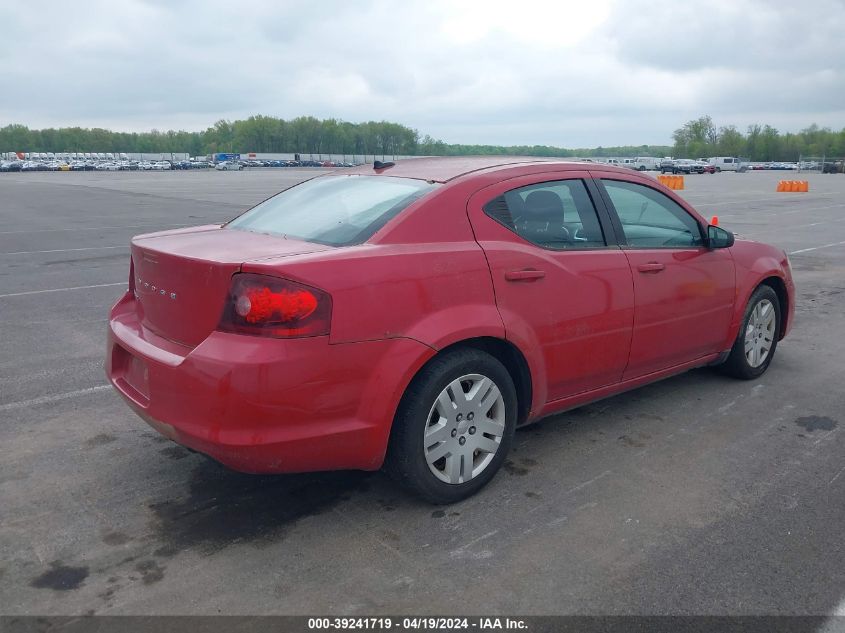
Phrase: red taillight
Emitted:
{"points": [[269, 306]]}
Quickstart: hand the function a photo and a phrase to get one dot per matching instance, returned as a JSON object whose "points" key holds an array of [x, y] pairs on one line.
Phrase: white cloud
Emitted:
{"points": [[548, 72]]}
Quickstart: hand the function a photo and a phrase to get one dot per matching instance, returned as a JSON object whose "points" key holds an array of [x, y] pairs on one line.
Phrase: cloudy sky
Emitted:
{"points": [[566, 73]]}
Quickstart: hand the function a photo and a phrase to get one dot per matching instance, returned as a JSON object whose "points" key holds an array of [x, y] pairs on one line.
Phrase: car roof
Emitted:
{"points": [[444, 169]]}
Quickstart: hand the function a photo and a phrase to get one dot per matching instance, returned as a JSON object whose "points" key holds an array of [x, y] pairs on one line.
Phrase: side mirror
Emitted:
{"points": [[717, 237]]}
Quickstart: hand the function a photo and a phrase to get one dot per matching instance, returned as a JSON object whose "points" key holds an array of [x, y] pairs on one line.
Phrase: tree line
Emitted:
{"points": [[700, 137], [309, 135]]}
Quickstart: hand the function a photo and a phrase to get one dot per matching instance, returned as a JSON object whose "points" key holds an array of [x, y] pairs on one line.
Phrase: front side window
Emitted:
{"points": [[651, 219], [334, 210], [556, 215]]}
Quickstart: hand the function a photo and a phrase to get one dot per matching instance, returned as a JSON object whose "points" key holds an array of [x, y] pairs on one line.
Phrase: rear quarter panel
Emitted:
{"points": [[422, 277]]}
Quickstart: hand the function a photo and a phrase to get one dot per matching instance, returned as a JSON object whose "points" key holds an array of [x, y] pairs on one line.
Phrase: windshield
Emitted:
{"points": [[334, 210]]}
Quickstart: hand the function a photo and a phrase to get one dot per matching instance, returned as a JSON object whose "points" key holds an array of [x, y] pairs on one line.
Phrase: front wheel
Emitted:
{"points": [[757, 340], [454, 426]]}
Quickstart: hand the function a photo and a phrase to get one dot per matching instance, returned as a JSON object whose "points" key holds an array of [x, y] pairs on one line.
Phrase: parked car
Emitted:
{"points": [[687, 166], [667, 166], [675, 166], [703, 167], [228, 165], [413, 315]]}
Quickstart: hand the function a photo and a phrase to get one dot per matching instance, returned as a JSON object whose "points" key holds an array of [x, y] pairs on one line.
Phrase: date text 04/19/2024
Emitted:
{"points": [[429, 623]]}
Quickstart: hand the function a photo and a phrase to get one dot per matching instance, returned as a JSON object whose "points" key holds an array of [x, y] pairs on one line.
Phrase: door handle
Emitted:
{"points": [[524, 275], [651, 267]]}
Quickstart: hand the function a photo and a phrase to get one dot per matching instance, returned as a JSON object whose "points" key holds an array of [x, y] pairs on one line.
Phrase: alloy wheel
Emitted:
{"points": [[760, 333]]}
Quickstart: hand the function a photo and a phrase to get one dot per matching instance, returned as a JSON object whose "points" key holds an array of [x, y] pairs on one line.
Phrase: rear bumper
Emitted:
{"points": [[264, 405]]}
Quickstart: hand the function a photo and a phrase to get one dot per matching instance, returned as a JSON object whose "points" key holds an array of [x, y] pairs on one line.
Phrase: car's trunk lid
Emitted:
{"points": [[182, 278]]}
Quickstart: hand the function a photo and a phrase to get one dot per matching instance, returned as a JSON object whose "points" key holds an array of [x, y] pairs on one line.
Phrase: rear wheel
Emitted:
{"points": [[757, 340], [454, 426]]}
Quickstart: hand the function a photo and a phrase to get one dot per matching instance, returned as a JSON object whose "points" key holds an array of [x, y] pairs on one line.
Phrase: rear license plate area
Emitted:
{"points": [[132, 375]]}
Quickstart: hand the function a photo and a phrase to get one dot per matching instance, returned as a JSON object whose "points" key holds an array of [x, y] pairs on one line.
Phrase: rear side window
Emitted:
{"points": [[334, 210], [651, 219], [556, 215]]}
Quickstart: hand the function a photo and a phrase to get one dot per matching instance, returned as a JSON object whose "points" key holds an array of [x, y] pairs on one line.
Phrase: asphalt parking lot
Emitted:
{"points": [[696, 495]]}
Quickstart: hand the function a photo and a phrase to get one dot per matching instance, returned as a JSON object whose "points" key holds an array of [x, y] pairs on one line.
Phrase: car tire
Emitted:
{"points": [[749, 357], [426, 451]]}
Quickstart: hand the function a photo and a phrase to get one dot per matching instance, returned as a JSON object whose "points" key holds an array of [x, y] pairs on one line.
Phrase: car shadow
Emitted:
{"points": [[223, 507]]}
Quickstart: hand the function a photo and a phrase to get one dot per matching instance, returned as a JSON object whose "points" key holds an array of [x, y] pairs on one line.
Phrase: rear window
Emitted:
{"points": [[334, 210]]}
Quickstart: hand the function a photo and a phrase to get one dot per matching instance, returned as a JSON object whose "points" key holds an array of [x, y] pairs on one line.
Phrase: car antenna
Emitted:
{"points": [[380, 165]]}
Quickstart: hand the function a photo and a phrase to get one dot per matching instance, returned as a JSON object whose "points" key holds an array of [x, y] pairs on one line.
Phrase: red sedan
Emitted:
{"points": [[413, 315]]}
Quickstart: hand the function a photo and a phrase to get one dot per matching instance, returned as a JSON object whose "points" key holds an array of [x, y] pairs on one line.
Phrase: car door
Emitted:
{"points": [[563, 287], [683, 292]]}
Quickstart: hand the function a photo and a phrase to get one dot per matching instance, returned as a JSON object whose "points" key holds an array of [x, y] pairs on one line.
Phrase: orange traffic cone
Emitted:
{"points": [[680, 182], [805, 186], [781, 186]]}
